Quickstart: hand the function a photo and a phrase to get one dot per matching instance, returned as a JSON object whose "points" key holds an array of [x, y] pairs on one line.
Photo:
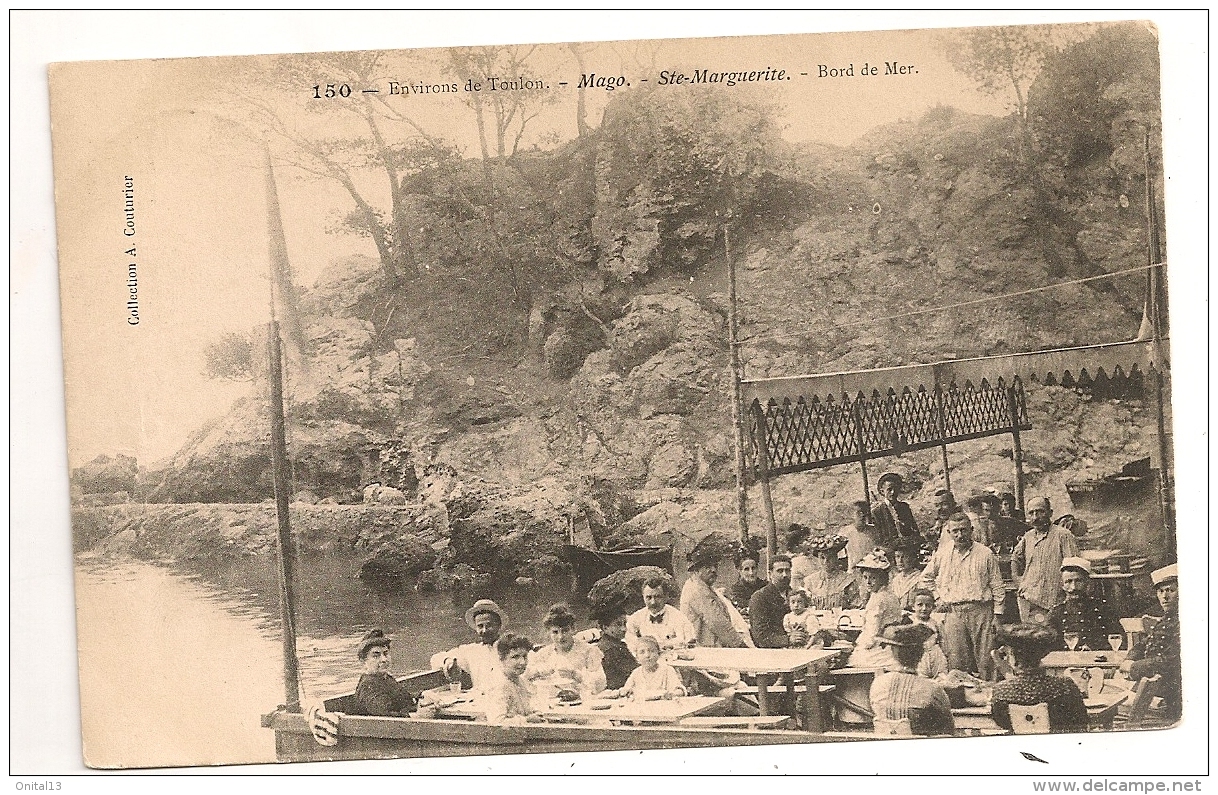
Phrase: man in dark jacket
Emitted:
{"points": [[893, 518], [769, 605], [1159, 652], [1080, 612]]}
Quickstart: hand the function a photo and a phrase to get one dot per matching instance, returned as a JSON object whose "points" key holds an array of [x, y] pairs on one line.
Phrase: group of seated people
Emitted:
{"points": [[929, 614]]}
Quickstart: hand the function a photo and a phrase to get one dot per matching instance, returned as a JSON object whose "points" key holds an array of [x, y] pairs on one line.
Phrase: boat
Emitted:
{"points": [[590, 565], [1132, 484]]}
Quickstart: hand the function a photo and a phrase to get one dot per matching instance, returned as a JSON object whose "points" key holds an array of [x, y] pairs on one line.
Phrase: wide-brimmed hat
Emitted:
{"points": [[827, 543], [1028, 637], [907, 635], [892, 477], [1082, 564], [1165, 574], [876, 559], [485, 606], [371, 640]]}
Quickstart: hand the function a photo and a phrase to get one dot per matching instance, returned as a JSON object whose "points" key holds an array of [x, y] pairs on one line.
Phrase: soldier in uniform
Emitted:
{"points": [[1081, 612], [1159, 652]]}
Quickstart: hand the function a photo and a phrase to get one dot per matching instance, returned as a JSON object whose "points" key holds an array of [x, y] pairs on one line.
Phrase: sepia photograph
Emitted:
{"points": [[673, 393]]}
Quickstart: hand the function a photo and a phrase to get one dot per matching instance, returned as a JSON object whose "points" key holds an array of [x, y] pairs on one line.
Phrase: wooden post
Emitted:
{"points": [[940, 426], [1165, 498], [733, 344], [763, 470], [856, 411], [1017, 452], [1153, 317]]}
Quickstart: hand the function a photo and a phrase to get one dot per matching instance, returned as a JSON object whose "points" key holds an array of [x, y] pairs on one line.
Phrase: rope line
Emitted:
{"points": [[973, 302]]}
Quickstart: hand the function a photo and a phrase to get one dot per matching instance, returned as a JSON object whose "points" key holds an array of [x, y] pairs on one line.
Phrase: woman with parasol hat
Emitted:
{"points": [[833, 587], [883, 608], [900, 694]]}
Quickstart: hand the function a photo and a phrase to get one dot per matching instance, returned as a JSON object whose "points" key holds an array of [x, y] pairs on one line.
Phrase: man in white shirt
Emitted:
{"points": [[477, 664], [964, 575], [659, 620]]}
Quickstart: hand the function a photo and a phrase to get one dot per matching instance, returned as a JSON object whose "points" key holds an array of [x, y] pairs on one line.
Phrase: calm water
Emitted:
{"points": [[178, 664]]}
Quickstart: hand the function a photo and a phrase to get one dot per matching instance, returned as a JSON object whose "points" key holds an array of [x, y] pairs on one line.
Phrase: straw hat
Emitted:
{"points": [[876, 559], [485, 606], [894, 478], [827, 543], [907, 635]]}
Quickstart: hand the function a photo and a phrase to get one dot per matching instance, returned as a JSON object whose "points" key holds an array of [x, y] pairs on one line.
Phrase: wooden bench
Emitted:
{"points": [[746, 721]]}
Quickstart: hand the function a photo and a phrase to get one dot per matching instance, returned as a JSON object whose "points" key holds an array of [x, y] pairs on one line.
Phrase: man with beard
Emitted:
{"points": [[1081, 612], [475, 665], [769, 605]]}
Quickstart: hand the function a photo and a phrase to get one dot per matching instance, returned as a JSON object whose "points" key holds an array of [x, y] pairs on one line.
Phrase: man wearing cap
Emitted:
{"points": [[475, 664], [1032, 685], [703, 607], [1159, 652], [1081, 612], [1037, 561], [965, 577], [893, 518], [901, 694], [659, 620]]}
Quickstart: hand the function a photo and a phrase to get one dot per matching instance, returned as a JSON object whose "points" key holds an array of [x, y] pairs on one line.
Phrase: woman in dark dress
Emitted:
{"points": [[617, 661], [378, 692]]}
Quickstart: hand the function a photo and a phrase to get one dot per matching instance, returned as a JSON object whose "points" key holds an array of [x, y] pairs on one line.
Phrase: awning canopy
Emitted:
{"points": [[1062, 365], [808, 422]]}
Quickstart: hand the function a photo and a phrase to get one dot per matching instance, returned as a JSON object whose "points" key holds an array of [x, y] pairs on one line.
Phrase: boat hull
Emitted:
{"points": [[396, 738]]}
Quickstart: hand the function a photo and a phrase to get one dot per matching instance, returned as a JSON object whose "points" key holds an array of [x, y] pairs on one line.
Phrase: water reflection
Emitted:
{"points": [[333, 611]]}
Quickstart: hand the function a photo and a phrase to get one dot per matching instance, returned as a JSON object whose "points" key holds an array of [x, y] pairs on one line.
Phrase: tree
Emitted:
{"points": [[231, 357], [1006, 60]]}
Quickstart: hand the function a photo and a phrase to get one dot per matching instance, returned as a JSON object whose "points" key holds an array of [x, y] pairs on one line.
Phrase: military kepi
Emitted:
{"points": [[1165, 574]]}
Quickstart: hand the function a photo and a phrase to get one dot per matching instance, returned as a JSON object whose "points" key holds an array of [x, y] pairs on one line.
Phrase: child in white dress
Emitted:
{"points": [[652, 680], [934, 661], [801, 618]]}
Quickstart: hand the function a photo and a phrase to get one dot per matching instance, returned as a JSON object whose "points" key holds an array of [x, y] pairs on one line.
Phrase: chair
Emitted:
{"points": [[893, 728], [1143, 693], [1030, 720]]}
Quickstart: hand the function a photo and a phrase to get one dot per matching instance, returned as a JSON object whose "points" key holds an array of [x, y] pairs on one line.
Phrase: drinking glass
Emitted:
{"points": [[1072, 639], [1115, 642]]}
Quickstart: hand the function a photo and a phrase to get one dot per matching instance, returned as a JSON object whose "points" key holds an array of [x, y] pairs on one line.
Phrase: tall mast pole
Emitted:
{"points": [[279, 454], [733, 344]]}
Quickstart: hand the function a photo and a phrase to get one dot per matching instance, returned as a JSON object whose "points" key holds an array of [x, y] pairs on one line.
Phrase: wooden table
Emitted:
{"points": [[766, 664], [594, 710], [1059, 661], [625, 710]]}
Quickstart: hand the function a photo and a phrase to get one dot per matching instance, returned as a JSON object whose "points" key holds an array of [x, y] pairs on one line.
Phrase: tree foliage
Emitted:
{"points": [[231, 357], [670, 167]]}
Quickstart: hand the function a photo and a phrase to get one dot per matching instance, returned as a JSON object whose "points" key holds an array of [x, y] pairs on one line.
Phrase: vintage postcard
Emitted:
{"points": [[622, 395]]}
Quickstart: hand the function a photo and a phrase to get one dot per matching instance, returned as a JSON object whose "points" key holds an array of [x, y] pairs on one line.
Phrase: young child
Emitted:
{"points": [[800, 618], [934, 661], [652, 680], [510, 697]]}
